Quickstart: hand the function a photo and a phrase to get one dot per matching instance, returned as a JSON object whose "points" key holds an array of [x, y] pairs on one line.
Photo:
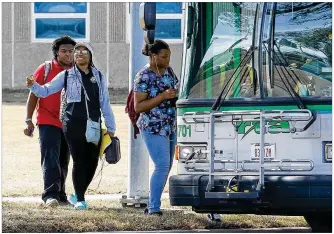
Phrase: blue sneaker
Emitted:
{"points": [[80, 205], [73, 199]]}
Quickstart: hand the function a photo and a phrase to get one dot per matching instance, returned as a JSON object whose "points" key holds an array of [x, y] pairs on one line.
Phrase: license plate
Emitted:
{"points": [[269, 151], [328, 152]]}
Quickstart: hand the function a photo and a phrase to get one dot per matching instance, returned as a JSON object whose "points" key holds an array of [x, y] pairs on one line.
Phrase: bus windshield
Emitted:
{"points": [[293, 39]]}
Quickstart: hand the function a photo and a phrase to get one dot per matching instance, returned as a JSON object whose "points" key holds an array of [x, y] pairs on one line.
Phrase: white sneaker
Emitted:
{"points": [[51, 202]]}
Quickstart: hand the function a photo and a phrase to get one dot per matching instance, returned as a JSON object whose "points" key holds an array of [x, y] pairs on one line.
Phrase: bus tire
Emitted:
{"points": [[320, 222]]}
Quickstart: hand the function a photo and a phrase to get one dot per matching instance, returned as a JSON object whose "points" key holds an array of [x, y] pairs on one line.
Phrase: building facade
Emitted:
{"points": [[28, 30]]}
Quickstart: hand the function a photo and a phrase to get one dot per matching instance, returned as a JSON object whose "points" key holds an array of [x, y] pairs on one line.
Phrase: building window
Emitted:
{"points": [[55, 19], [169, 23]]}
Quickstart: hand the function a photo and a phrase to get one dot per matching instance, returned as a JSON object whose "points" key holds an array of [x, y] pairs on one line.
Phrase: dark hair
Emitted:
{"points": [[91, 64], [149, 49], [61, 41]]}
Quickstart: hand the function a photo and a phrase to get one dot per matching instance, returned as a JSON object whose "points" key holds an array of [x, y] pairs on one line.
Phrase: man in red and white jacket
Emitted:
{"points": [[54, 150]]}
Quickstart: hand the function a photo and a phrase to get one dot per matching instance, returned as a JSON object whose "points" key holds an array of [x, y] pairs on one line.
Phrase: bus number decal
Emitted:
{"points": [[184, 130]]}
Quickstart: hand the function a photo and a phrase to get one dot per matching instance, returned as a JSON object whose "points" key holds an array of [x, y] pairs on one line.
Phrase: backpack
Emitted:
{"points": [[130, 107], [130, 110], [47, 69]]}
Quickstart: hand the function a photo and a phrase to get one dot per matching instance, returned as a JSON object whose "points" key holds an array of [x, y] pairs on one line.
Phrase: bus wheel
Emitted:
{"points": [[320, 222]]}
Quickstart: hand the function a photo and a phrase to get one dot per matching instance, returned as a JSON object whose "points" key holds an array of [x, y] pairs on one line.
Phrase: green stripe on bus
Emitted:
{"points": [[181, 111], [209, 33], [237, 52]]}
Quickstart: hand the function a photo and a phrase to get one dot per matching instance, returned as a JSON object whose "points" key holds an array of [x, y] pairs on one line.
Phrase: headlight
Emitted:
{"points": [[186, 150], [328, 151]]}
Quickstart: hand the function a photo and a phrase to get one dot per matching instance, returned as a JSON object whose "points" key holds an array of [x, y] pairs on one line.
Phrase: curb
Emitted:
{"points": [[239, 230], [88, 198]]}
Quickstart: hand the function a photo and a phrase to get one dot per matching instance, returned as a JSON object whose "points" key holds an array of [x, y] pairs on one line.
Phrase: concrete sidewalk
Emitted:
{"points": [[88, 198]]}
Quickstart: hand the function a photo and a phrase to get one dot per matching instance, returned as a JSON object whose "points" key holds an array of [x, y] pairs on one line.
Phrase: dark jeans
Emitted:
{"points": [[55, 158], [85, 156]]}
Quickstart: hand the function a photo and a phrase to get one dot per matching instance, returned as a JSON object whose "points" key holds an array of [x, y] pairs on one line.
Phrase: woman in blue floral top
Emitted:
{"points": [[154, 98]]}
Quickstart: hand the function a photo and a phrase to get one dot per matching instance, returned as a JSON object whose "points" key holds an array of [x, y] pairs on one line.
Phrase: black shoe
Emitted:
{"points": [[64, 202], [157, 213]]}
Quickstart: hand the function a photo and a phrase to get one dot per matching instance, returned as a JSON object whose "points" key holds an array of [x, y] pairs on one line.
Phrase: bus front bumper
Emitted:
{"points": [[282, 195]]}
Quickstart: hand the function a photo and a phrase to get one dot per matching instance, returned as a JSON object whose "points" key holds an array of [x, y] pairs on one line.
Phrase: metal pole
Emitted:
{"points": [[138, 165], [108, 41], [211, 148], [262, 144], [13, 44]]}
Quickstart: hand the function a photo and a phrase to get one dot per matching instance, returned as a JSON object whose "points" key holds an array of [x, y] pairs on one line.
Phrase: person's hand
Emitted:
{"points": [[111, 134], [30, 81], [28, 131], [169, 94]]}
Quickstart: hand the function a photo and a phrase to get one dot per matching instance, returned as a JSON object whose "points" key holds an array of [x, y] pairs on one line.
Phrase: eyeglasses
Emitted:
{"points": [[84, 52]]}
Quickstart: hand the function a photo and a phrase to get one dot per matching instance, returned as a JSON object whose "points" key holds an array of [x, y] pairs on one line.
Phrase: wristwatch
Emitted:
{"points": [[28, 121]]}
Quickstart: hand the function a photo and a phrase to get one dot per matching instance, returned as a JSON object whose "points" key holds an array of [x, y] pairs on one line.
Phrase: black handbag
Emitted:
{"points": [[113, 151]]}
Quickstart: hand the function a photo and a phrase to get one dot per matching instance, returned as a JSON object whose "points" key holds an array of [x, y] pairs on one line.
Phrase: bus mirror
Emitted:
{"points": [[190, 25], [147, 15], [149, 36]]}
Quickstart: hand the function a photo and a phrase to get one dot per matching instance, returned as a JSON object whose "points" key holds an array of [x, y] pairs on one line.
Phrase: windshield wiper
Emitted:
{"points": [[242, 63], [216, 57], [290, 89], [296, 97], [243, 77]]}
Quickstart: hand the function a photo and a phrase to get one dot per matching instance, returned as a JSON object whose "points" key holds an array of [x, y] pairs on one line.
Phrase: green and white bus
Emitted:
{"points": [[254, 115]]}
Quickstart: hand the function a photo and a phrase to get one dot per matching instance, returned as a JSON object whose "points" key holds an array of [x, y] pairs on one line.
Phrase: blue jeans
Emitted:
{"points": [[161, 150], [55, 158]]}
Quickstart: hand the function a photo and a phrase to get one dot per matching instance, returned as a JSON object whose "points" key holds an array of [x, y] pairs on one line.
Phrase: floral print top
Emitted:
{"points": [[160, 119]]}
